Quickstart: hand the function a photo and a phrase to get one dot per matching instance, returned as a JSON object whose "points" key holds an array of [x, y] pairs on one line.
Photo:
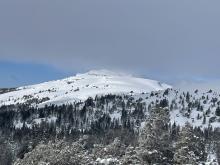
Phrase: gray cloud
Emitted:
{"points": [[175, 39], [203, 86]]}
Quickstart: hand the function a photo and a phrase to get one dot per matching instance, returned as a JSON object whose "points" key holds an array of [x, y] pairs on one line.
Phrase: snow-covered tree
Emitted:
{"points": [[5, 153], [154, 141], [131, 156], [190, 148]]}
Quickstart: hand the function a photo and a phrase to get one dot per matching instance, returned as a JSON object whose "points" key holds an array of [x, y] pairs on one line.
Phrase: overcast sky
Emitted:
{"points": [[167, 40]]}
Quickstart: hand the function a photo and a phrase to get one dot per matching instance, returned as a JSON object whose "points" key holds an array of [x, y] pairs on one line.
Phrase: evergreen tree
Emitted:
{"points": [[5, 153], [187, 97], [154, 142], [189, 148], [218, 151], [217, 112]]}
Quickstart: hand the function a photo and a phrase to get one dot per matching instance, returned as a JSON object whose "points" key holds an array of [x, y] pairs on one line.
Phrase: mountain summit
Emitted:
{"points": [[80, 87]]}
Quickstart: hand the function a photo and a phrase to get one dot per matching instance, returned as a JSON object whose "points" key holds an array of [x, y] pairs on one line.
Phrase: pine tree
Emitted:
{"points": [[204, 119], [154, 142], [217, 112], [187, 97], [218, 151], [189, 147], [131, 156], [5, 153]]}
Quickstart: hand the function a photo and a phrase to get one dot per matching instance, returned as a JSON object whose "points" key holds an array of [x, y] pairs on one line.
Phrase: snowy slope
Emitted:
{"points": [[199, 110], [80, 87]]}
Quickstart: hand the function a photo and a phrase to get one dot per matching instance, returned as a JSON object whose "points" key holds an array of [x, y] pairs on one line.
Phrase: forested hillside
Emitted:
{"points": [[163, 127], [6, 90]]}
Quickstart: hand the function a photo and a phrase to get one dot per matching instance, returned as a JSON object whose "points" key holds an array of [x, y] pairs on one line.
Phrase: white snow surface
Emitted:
{"points": [[80, 87], [177, 113]]}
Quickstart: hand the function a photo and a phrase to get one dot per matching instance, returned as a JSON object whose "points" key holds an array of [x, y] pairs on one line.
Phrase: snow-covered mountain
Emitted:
{"points": [[193, 107], [80, 87], [125, 106]]}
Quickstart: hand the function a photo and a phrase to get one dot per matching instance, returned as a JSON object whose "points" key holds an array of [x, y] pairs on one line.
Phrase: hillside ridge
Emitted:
{"points": [[80, 87]]}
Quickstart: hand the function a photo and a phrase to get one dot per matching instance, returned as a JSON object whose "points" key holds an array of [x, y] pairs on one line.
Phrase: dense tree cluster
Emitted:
{"points": [[154, 141], [154, 145], [190, 147]]}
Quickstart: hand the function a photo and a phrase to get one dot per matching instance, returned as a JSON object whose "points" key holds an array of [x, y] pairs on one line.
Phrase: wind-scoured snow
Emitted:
{"points": [[80, 87]]}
